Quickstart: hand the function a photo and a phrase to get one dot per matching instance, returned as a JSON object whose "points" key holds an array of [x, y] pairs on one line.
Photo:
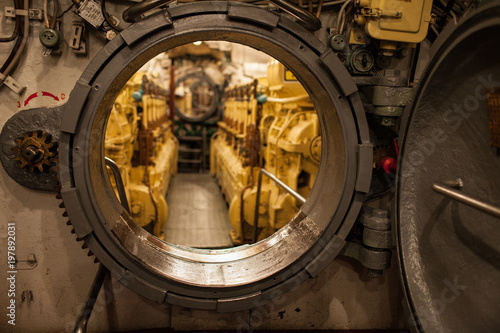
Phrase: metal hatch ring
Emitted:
{"points": [[237, 278]]}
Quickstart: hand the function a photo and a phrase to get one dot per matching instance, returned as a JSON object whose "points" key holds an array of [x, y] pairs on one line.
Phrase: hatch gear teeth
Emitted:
{"points": [[35, 150]]}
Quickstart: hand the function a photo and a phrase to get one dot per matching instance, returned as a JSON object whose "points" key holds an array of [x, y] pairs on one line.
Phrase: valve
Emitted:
{"points": [[50, 38]]}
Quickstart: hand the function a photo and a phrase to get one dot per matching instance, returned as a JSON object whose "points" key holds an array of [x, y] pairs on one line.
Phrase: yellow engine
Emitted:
{"points": [[139, 138], [269, 124]]}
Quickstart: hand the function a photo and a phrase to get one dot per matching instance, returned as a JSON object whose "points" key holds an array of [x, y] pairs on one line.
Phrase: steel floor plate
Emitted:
{"points": [[197, 213]]}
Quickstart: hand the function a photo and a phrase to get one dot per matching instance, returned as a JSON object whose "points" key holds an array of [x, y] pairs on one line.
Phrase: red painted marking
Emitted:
{"points": [[34, 95], [44, 93], [63, 96]]}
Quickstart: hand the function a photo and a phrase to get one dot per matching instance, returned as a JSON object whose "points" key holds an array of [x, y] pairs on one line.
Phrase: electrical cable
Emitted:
{"points": [[320, 7], [447, 10], [133, 12], [107, 18], [53, 20], [15, 33], [341, 15], [46, 13], [16, 46], [310, 21], [66, 10], [344, 19], [22, 46]]}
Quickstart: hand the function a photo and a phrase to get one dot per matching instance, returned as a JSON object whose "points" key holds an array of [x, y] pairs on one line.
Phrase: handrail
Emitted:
{"points": [[278, 182], [119, 182], [451, 189]]}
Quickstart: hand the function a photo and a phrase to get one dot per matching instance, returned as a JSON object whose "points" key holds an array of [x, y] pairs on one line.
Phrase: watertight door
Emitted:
{"points": [[449, 251]]}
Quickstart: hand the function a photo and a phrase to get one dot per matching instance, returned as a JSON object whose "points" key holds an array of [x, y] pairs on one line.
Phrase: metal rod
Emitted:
{"points": [[466, 199], [172, 91], [284, 186], [83, 319], [119, 182]]}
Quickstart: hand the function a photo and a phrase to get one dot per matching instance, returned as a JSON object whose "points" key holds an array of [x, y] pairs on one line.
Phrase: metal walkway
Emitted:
{"points": [[197, 213]]}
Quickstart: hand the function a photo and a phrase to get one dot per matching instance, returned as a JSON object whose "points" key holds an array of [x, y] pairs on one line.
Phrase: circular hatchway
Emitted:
{"points": [[235, 278]]}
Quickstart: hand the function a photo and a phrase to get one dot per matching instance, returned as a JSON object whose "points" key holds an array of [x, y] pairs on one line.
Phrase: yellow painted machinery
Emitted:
{"points": [[393, 21], [140, 140], [272, 124]]}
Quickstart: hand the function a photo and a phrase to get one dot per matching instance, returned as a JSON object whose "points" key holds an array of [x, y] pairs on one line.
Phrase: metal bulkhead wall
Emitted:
{"points": [[232, 279]]}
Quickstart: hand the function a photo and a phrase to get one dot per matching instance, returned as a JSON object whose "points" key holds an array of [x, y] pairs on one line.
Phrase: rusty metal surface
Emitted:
{"points": [[494, 117], [29, 121]]}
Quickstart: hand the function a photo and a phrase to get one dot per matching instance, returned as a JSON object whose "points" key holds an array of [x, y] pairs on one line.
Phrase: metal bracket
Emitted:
{"points": [[376, 12], [27, 295], [28, 264], [33, 14], [78, 40], [14, 85]]}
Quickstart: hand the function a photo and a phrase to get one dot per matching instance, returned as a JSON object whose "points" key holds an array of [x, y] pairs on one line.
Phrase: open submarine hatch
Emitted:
{"points": [[444, 246]]}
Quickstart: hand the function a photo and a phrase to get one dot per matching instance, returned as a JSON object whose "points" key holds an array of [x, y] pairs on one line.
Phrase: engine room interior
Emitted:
{"points": [[250, 166]]}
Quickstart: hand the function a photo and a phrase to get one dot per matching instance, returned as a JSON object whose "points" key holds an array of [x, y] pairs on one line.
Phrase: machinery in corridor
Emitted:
{"points": [[272, 124], [139, 138]]}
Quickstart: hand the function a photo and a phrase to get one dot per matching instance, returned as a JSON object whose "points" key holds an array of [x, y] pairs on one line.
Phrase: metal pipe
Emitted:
{"points": [[341, 15], [294, 99], [310, 21], [119, 182], [320, 7], [83, 319], [242, 212], [278, 182], [130, 14], [25, 33], [172, 91], [454, 194], [15, 33]]}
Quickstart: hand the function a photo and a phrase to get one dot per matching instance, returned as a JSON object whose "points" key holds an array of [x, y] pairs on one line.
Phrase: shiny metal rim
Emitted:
{"points": [[217, 279]]}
